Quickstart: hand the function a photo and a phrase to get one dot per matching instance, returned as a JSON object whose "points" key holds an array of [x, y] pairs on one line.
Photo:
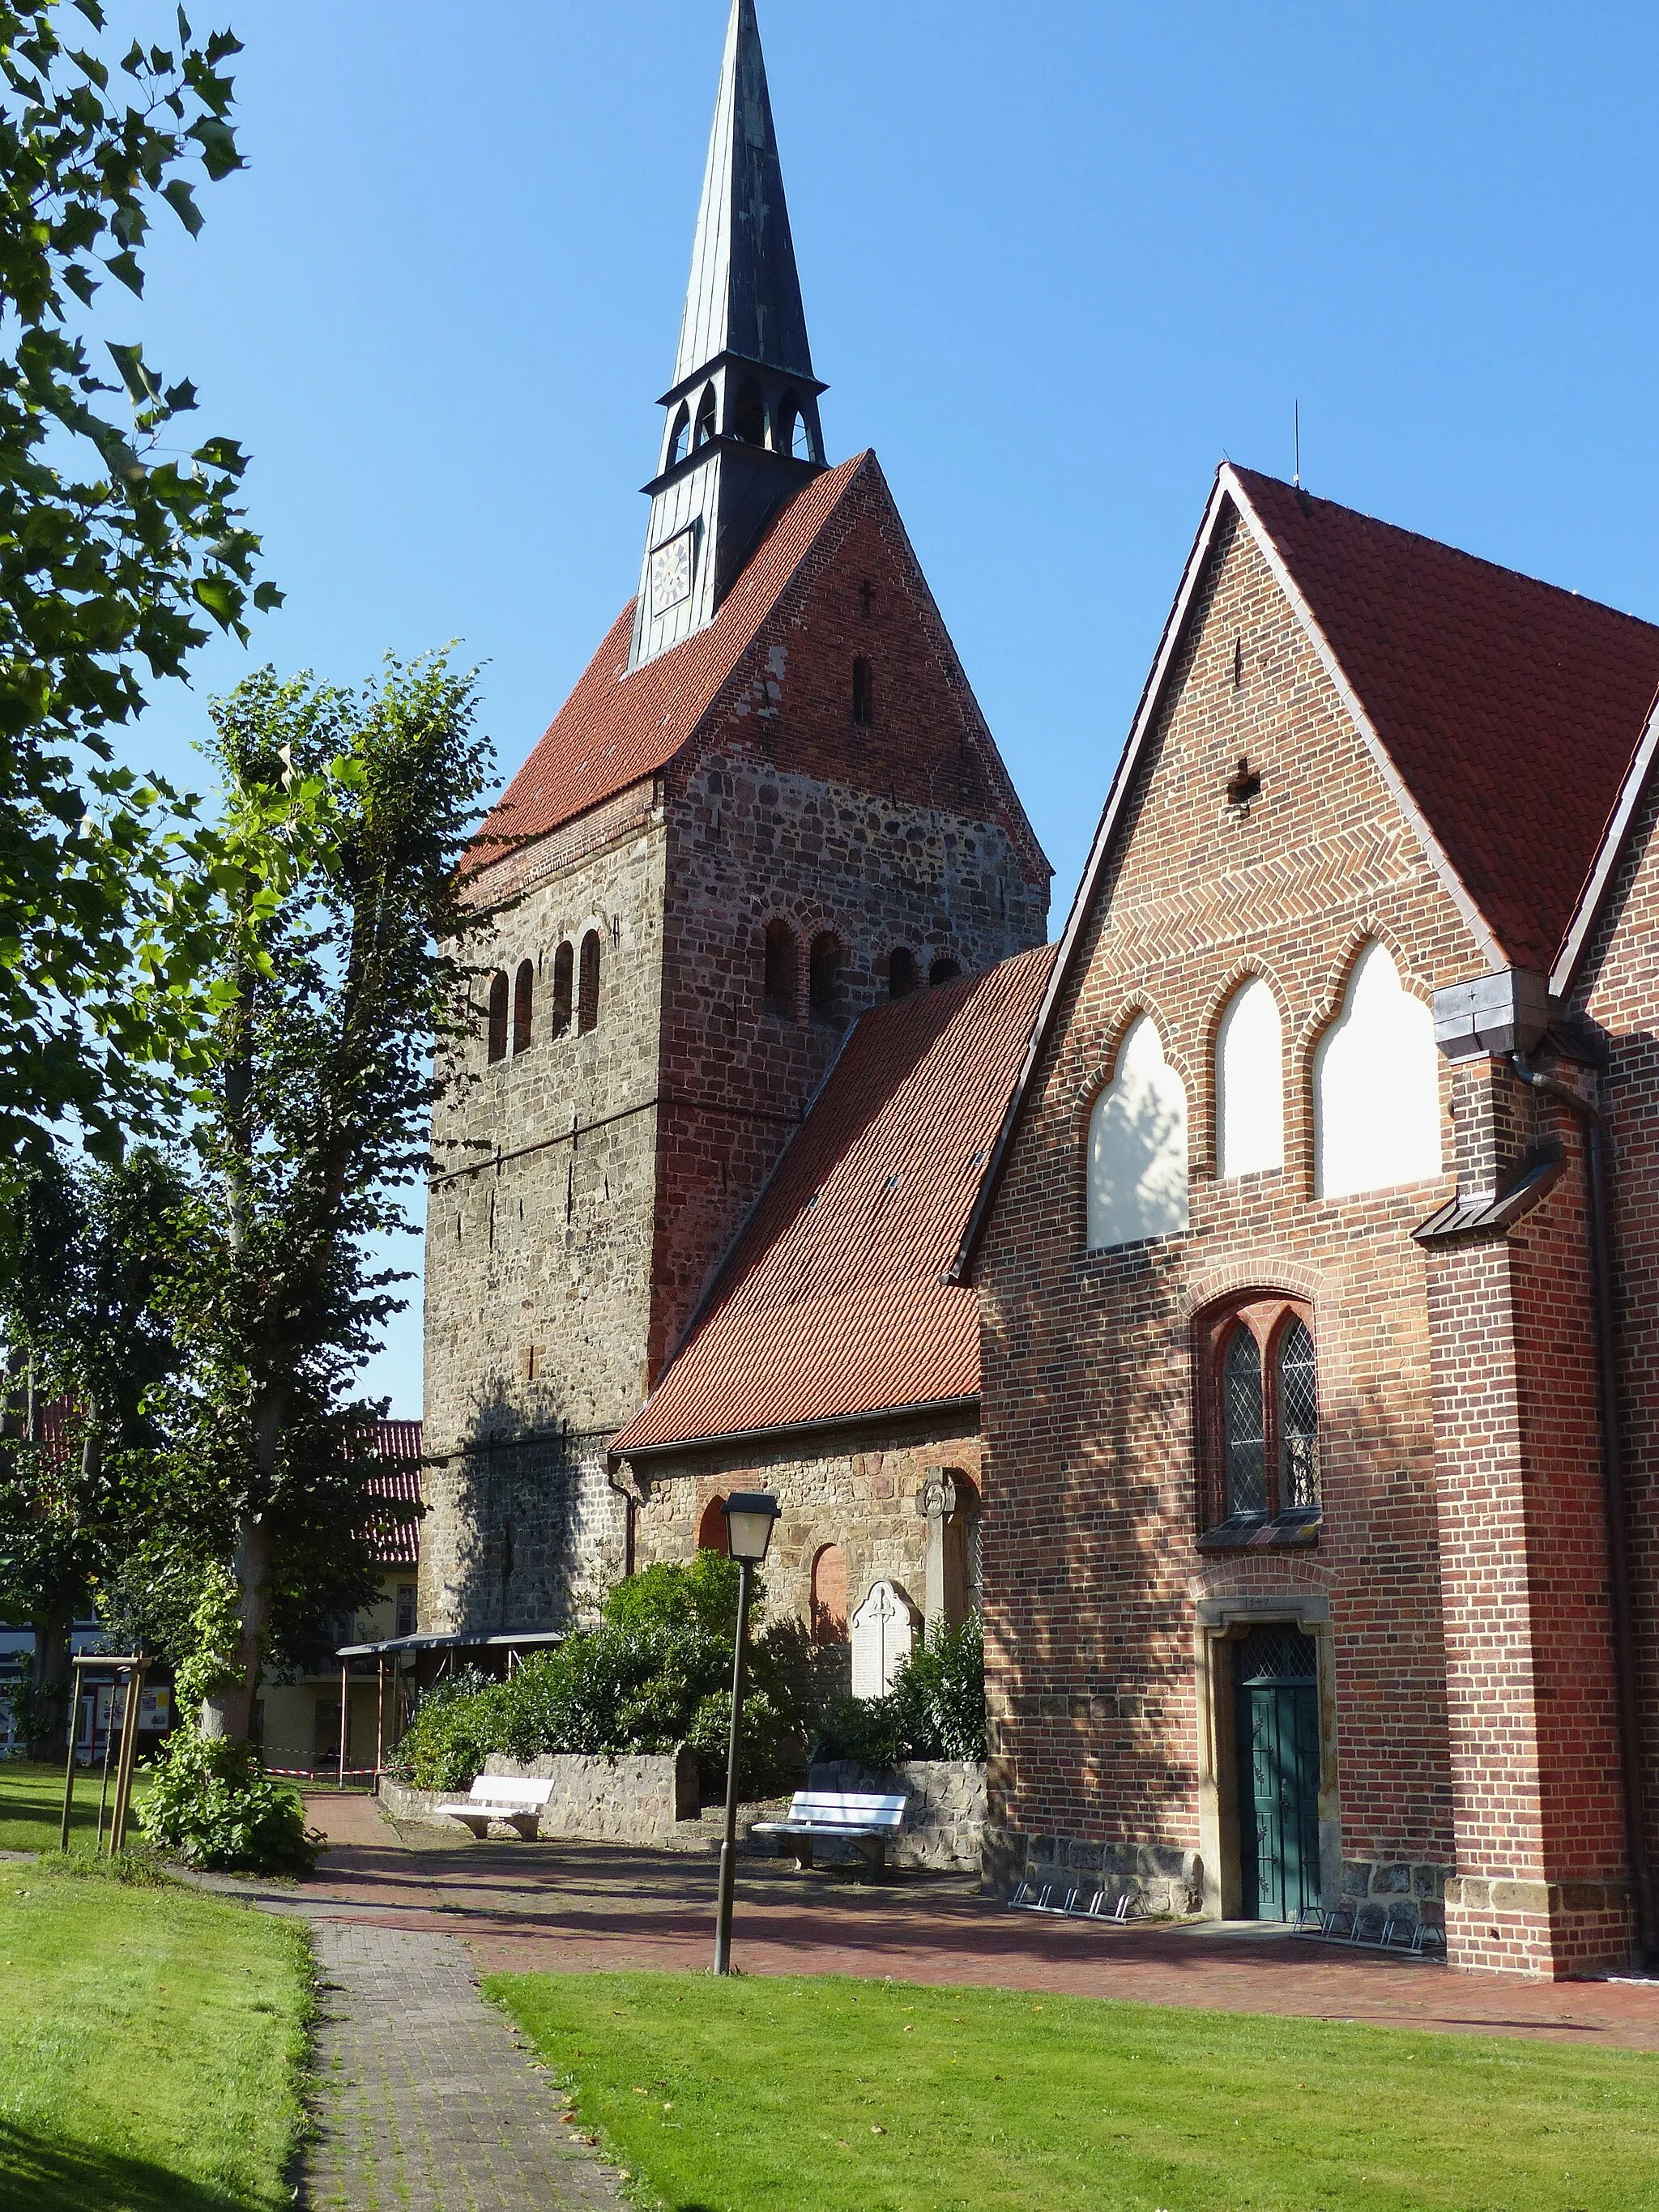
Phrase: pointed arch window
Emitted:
{"points": [[587, 999], [780, 973], [564, 977], [748, 414], [679, 443], [791, 433], [1259, 1417], [1137, 1165], [707, 419], [523, 1007], [498, 1006], [1376, 1085]]}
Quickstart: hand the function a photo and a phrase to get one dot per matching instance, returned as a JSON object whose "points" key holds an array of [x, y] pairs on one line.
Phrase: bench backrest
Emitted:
{"points": [[512, 1789], [848, 1809]]}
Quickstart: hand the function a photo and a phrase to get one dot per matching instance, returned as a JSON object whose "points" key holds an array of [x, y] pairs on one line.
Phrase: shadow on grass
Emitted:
{"points": [[41, 2174]]}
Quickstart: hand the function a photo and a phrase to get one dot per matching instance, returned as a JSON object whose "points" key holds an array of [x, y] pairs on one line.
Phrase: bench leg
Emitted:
{"points": [[802, 1846]]}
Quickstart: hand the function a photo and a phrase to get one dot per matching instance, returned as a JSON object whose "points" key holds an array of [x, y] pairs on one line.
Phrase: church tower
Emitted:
{"points": [[770, 803]]}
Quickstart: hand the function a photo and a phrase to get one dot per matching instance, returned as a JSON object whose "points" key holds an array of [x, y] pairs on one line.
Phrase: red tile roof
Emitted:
{"points": [[394, 1535], [831, 1304], [616, 729], [1511, 709]]}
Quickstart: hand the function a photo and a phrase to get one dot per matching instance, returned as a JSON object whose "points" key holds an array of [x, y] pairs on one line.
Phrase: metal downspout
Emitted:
{"points": [[1612, 1467]]}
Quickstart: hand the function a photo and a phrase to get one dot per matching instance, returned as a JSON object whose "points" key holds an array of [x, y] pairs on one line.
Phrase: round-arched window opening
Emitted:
{"points": [[499, 994], [900, 972], [524, 1007], [707, 418], [680, 444], [779, 976], [944, 971], [749, 415], [711, 1529], [824, 972]]}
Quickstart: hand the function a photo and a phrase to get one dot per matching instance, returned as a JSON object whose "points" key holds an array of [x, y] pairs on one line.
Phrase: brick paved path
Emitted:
{"points": [[573, 1908], [425, 2101]]}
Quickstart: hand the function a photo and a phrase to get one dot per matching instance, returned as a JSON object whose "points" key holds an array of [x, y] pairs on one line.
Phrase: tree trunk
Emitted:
{"points": [[51, 1680], [230, 1711]]}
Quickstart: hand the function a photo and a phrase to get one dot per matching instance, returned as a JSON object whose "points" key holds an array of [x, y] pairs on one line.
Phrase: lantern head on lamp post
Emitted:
{"points": [[750, 1515]]}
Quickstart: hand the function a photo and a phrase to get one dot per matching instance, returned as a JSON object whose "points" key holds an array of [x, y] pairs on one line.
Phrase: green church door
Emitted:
{"points": [[1276, 1672]]}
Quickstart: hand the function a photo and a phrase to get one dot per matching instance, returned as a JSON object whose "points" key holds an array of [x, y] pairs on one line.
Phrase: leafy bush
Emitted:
{"points": [[655, 1674], [935, 1709], [212, 1804]]}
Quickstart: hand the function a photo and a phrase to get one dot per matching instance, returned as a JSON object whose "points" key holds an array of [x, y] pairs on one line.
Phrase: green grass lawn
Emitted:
{"points": [[843, 2096], [151, 2041], [31, 1805]]}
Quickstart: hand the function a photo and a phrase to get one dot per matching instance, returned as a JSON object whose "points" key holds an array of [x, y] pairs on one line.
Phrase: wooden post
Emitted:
{"points": [[69, 1771], [109, 1745], [117, 1826], [345, 1715]]}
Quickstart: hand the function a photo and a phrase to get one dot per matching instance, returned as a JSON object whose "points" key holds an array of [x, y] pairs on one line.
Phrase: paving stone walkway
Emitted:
{"points": [[425, 2099]]}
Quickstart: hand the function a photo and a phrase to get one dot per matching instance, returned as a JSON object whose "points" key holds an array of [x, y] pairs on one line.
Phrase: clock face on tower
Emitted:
{"points": [[670, 573]]}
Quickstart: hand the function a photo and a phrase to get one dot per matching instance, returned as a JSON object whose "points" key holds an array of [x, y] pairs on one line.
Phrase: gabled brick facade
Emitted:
{"points": [[1454, 1584]]}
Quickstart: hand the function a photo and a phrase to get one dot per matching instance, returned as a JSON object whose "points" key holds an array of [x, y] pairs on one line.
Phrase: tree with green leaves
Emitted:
{"points": [[119, 547], [86, 1257], [335, 895]]}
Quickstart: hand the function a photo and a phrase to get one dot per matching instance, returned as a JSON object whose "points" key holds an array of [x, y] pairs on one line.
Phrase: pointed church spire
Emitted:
{"points": [[743, 433], [744, 294]]}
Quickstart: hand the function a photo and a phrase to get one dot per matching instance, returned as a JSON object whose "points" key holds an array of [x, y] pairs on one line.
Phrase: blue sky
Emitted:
{"points": [[1057, 260]]}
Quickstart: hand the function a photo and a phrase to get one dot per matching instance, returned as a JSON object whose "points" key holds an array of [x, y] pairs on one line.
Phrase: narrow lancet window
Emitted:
{"points": [[1298, 1419], [780, 977], [498, 1003], [1241, 1411], [588, 1005], [524, 1005], [564, 975]]}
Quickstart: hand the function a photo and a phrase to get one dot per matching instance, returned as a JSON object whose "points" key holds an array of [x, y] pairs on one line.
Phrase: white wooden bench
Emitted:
{"points": [[510, 1797], [867, 1822]]}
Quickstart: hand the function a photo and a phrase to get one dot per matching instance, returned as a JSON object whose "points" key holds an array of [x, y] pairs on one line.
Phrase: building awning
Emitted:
{"points": [[518, 1642]]}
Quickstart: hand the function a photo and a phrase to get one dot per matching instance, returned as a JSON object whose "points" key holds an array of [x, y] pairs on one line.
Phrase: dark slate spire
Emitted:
{"points": [[745, 294], [743, 431]]}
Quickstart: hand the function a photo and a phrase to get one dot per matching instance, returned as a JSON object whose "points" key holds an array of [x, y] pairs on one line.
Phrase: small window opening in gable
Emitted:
{"points": [[900, 972], [680, 444], [864, 691], [1238, 663], [498, 999], [823, 968], [1261, 1412], [780, 971], [1243, 785], [944, 971], [564, 977], [866, 599], [524, 1002], [748, 415], [587, 998], [707, 417]]}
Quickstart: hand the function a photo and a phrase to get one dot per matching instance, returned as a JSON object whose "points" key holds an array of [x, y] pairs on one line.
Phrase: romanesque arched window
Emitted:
{"points": [[1376, 1085], [498, 1008], [587, 996], [780, 974], [1137, 1163], [1249, 1083], [900, 972], [564, 979], [944, 970], [829, 1596], [711, 1529], [864, 690], [524, 1007], [823, 973]]}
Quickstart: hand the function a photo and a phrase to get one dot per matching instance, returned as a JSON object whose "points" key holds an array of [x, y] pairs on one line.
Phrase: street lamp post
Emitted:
{"points": [[748, 1518]]}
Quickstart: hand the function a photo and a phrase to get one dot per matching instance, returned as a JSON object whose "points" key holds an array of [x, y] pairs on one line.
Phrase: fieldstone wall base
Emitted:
{"points": [[1161, 1878], [642, 1800], [944, 1811], [1377, 1890]]}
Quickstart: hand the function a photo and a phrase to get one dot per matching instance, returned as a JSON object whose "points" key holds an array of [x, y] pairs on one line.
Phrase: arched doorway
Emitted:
{"points": [[711, 1529]]}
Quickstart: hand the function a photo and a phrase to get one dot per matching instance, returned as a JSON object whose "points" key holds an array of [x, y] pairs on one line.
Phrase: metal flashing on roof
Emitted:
{"points": [[1486, 1213]]}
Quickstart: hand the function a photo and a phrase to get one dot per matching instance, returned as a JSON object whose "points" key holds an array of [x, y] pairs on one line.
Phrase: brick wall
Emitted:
{"points": [[1092, 1569]]}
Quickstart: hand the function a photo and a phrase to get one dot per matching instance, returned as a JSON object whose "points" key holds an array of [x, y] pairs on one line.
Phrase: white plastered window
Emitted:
{"points": [[1376, 1085], [1137, 1146], [1249, 1083]]}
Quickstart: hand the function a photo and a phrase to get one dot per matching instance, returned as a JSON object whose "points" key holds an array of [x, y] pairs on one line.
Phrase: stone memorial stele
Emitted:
{"points": [[883, 1631]]}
